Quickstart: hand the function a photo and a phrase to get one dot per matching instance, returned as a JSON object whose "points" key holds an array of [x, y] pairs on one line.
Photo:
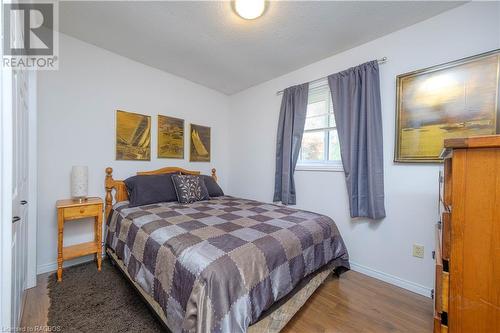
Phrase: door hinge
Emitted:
{"points": [[439, 224], [432, 293], [433, 254]]}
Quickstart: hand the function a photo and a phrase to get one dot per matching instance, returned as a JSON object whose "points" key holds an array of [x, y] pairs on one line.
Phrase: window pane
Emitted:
{"points": [[332, 120], [334, 149], [313, 146], [316, 108], [316, 122]]}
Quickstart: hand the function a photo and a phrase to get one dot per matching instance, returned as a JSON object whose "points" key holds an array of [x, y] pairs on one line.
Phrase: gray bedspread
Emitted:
{"points": [[216, 265]]}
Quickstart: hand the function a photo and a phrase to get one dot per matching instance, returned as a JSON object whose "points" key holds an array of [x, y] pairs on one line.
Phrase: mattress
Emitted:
{"points": [[218, 265]]}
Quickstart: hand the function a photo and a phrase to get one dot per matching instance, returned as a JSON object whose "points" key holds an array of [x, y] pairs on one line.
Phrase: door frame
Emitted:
{"points": [[32, 222]]}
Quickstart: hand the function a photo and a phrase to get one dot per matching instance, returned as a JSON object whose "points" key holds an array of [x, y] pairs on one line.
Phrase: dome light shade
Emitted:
{"points": [[249, 9]]}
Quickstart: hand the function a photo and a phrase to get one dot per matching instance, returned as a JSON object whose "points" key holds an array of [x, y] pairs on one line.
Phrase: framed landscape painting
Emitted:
{"points": [[457, 99], [133, 136], [170, 137], [199, 150]]}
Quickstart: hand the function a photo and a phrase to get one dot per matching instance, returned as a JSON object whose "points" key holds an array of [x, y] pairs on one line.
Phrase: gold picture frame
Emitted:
{"points": [[133, 136], [455, 99], [199, 148], [170, 137]]}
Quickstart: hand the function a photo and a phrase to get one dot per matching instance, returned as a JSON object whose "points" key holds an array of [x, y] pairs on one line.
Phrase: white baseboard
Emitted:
{"points": [[52, 266], [405, 284]]}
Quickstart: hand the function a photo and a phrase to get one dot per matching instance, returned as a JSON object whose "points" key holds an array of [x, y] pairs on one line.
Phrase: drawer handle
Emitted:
{"points": [[15, 219], [82, 210]]}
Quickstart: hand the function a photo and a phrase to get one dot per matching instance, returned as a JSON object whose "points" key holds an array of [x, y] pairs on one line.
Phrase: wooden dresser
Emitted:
{"points": [[467, 291]]}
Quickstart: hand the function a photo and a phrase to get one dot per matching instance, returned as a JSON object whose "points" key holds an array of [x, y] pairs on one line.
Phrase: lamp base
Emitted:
{"points": [[80, 199]]}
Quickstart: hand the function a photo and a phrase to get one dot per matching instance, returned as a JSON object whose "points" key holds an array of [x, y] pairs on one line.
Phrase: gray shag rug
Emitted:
{"points": [[90, 301]]}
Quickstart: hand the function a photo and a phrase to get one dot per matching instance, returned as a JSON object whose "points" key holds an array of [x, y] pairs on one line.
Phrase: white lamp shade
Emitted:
{"points": [[79, 181]]}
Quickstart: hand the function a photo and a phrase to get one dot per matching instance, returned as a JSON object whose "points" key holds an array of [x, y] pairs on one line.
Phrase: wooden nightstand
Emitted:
{"points": [[68, 210]]}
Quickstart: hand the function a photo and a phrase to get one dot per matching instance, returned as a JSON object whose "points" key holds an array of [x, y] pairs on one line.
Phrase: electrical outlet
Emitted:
{"points": [[418, 250]]}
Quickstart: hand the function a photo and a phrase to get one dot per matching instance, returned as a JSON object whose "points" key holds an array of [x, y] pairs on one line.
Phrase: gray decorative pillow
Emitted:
{"points": [[190, 188], [150, 189], [213, 189]]}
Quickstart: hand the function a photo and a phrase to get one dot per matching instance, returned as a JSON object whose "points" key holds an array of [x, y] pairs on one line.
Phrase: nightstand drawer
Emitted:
{"points": [[82, 211]]}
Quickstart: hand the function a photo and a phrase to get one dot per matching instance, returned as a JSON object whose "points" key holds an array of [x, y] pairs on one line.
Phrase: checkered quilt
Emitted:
{"points": [[216, 265]]}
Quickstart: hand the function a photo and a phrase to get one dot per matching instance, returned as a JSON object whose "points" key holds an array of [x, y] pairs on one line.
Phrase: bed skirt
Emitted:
{"points": [[271, 321]]}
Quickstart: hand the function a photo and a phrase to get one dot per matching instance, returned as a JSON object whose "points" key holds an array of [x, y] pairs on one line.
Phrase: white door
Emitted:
{"points": [[20, 117], [6, 199], [16, 88], [20, 140], [6, 193]]}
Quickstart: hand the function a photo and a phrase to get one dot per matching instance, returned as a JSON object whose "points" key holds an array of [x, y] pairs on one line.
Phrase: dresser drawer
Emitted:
{"points": [[442, 278], [445, 235], [82, 211], [447, 186], [438, 282], [438, 292], [438, 327], [445, 291]]}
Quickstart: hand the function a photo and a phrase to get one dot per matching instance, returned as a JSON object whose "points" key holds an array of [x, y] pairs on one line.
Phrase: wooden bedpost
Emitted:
{"points": [[214, 174], [109, 184]]}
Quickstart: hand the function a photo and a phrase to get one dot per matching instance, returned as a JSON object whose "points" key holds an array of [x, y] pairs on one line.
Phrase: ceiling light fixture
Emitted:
{"points": [[249, 9]]}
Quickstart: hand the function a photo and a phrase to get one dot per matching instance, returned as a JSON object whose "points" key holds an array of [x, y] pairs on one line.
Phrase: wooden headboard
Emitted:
{"points": [[120, 193]]}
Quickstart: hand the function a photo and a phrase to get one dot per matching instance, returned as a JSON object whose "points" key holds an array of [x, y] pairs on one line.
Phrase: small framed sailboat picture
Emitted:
{"points": [[199, 150], [133, 136], [170, 137]]}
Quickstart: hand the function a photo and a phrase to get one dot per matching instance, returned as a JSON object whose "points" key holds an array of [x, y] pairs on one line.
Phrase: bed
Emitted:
{"points": [[220, 265]]}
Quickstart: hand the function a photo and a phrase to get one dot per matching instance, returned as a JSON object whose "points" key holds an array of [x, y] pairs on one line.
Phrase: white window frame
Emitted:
{"points": [[324, 165]]}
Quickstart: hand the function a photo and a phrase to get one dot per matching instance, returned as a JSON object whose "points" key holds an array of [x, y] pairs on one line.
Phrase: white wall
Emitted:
{"points": [[77, 126], [76, 123], [380, 249]]}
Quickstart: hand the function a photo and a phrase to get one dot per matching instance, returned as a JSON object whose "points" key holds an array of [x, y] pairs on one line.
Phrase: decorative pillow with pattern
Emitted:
{"points": [[190, 188]]}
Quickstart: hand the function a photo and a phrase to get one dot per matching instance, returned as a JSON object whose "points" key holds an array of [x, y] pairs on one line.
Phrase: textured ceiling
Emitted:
{"points": [[207, 43]]}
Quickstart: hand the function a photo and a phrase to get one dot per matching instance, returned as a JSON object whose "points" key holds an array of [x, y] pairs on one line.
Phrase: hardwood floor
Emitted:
{"points": [[36, 304], [358, 303], [352, 303]]}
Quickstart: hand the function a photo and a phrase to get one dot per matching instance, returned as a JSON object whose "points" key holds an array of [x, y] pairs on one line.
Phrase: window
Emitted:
{"points": [[320, 149]]}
